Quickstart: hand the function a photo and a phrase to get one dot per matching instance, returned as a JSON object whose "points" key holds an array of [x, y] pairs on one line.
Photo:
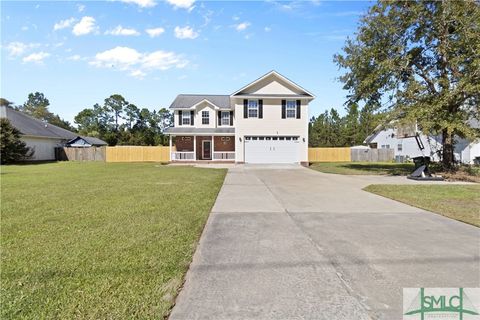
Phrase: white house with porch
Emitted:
{"points": [[264, 122]]}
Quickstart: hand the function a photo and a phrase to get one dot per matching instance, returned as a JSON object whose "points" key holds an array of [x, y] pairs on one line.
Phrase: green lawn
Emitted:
{"points": [[98, 241], [460, 202], [364, 168]]}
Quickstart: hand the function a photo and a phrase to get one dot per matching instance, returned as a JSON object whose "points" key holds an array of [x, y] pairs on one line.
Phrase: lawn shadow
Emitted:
{"points": [[393, 169]]}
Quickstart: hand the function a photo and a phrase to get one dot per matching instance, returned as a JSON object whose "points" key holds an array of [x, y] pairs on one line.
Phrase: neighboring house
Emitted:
{"points": [[264, 122], [40, 136], [86, 142], [467, 152]]}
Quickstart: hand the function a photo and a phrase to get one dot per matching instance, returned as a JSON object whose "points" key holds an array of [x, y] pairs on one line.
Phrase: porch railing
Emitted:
{"points": [[224, 155], [183, 156]]}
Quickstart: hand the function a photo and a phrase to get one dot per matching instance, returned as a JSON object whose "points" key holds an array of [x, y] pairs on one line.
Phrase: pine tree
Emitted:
{"points": [[12, 149]]}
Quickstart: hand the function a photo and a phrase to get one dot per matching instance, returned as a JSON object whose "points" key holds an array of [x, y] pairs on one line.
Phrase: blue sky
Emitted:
{"points": [[79, 53]]}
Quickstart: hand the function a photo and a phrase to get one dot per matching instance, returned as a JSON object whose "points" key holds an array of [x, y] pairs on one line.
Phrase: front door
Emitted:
{"points": [[207, 150]]}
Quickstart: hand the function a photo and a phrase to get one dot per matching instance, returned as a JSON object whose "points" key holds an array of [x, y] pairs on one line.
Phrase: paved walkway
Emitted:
{"points": [[292, 243]]}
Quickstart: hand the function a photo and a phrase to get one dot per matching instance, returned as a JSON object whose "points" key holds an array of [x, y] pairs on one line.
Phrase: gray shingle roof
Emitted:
{"points": [[30, 126], [193, 130], [89, 140], [188, 100]]}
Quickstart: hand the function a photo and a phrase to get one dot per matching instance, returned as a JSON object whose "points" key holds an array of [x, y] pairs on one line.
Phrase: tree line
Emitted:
{"points": [[330, 129], [120, 122], [116, 121]]}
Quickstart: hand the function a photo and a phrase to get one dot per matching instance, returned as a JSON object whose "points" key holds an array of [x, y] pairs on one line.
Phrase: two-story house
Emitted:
{"points": [[264, 122]]}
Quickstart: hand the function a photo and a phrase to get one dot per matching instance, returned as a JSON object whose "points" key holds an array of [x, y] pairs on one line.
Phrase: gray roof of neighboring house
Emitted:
{"points": [[185, 101], [30, 126], [192, 130], [90, 140], [377, 129]]}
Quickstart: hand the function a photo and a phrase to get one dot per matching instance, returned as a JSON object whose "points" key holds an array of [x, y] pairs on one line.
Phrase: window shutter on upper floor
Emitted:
{"points": [[231, 118], [260, 109], [284, 109], [219, 118], [299, 103], [179, 117], [245, 108], [192, 116]]}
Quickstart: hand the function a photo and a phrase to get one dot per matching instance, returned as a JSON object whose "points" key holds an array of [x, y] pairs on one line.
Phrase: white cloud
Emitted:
{"points": [[121, 57], [141, 3], [184, 4], [139, 74], [155, 32], [85, 26], [25, 28], [236, 18], [163, 60], [138, 64], [185, 33], [242, 26], [75, 57], [121, 31], [18, 48], [267, 29], [63, 24], [80, 7], [37, 57]]}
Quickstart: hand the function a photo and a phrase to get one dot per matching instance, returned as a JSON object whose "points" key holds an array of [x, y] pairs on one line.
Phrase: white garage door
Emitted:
{"points": [[271, 149]]}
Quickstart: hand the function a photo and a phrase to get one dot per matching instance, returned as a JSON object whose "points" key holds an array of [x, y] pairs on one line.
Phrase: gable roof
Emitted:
{"points": [[279, 76], [30, 126], [186, 101], [89, 140]]}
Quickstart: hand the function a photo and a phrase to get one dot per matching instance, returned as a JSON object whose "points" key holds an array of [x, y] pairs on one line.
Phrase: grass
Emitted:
{"points": [[364, 168], [98, 241], [459, 202]]}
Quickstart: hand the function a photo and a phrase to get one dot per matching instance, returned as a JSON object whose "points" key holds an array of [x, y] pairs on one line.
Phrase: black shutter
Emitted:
{"points": [[245, 108], [231, 118], [192, 116], [260, 109], [219, 117], [284, 109], [299, 103], [179, 117]]}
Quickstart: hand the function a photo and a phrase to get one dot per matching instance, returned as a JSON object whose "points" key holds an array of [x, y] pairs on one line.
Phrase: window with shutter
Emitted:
{"points": [[253, 108], [185, 118], [291, 108], [225, 118]]}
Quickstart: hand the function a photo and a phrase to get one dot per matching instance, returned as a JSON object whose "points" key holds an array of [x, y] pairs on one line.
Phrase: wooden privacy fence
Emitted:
{"points": [[329, 155], [349, 154], [80, 154], [138, 154], [373, 155]]}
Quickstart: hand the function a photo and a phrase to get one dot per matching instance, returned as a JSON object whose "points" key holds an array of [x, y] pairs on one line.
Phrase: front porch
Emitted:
{"points": [[189, 148]]}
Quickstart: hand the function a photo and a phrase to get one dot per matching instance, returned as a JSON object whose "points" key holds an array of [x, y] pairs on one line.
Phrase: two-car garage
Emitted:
{"points": [[272, 149]]}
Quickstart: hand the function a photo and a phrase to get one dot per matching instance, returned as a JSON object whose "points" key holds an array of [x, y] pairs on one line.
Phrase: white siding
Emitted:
{"points": [[44, 148], [270, 85], [204, 106], [474, 151], [409, 147], [198, 116], [272, 124], [464, 152]]}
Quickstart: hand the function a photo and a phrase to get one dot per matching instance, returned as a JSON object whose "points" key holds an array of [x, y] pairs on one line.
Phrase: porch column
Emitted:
{"points": [[170, 145], [213, 148], [194, 148]]}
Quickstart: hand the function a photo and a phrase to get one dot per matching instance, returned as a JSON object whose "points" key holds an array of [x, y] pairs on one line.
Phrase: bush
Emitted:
{"points": [[12, 149]]}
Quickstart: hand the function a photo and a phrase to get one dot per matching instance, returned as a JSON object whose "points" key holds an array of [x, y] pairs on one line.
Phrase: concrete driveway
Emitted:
{"points": [[292, 243]]}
